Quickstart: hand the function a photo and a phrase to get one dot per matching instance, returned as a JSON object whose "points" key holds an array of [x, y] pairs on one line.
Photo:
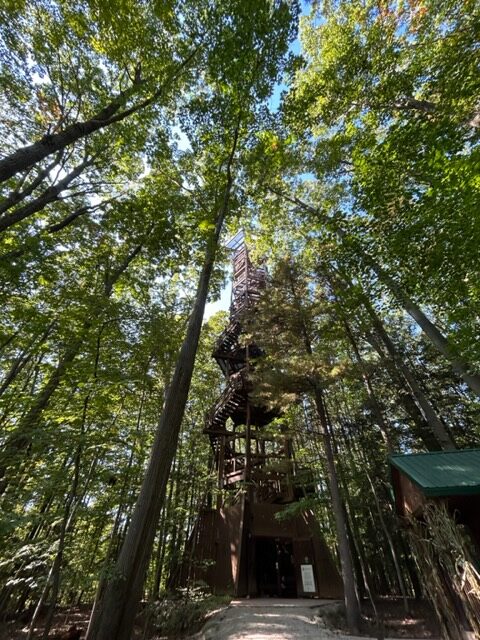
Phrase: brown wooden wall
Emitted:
{"points": [[227, 539]]}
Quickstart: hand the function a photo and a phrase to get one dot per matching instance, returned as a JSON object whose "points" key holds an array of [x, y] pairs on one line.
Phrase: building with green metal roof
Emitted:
{"points": [[442, 473], [452, 477]]}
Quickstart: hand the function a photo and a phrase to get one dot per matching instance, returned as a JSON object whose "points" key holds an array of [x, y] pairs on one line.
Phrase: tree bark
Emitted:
{"points": [[420, 428], [375, 405], [351, 598], [352, 605], [398, 570], [438, 428], [53, 578]]}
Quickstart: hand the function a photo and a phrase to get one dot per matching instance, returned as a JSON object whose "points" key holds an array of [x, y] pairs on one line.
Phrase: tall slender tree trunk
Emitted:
{"points": [[438, 428], [357, 538], [441, 436], [53, 580], [114, 613], [351, 597], [24, 358], [155, 591], [420, 428], [374, 403], [443, 345], [398, 569], [461, 367], [352, 605]]}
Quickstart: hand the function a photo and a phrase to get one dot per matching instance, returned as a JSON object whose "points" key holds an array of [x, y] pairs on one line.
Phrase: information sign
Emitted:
{"points": [[308, 580]]}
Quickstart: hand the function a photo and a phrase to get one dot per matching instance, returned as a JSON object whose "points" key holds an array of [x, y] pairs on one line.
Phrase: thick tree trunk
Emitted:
{"points": [[114, 613]]}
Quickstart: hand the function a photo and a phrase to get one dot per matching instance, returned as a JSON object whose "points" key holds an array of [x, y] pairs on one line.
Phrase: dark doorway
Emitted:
{"points": [[275, 570]]}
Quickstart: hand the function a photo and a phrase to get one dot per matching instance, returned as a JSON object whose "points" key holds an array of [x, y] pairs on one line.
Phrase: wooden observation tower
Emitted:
{"points": [[239, 545]]}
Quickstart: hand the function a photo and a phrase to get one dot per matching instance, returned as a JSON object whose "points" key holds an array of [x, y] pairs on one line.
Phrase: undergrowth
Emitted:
{"points": [[183, 613]]}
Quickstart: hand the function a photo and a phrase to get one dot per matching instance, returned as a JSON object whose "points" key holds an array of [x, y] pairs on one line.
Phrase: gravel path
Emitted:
{"points": [[270, 619]]}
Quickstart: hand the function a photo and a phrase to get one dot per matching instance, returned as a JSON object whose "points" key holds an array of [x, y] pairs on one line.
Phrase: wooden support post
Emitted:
{"points": [[221, 469]]}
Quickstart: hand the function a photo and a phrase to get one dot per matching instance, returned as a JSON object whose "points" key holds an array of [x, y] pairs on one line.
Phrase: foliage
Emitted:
{"points": [[360, 192], [177, 617]]}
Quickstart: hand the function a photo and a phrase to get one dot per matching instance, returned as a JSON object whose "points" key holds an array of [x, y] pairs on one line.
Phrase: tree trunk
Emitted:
{"points": [[114, 614], [348, 577], [459, 365], [27, 156], [351, 598], [420, 428], [53, 579], [155, 591], [398, 570], [375, 405], [49, 195], [24, 358], [22, 436], [438, 428], [431, 429]]}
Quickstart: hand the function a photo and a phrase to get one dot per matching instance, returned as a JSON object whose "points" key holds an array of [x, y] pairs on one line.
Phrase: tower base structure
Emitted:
{"points": [[247, 550]]}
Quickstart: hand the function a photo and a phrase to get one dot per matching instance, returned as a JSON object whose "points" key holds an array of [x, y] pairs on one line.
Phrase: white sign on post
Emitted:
{"points": [[308, 580]]}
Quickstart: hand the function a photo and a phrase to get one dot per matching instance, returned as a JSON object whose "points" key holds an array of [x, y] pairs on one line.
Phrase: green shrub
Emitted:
{"points": [[184, 613]]}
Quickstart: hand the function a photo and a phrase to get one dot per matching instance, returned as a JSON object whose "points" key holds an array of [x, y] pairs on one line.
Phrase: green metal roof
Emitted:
{"points": [[442, 473]]}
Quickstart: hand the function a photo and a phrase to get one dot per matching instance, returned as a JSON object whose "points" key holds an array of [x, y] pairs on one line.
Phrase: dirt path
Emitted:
{"points": [[270, 619]]}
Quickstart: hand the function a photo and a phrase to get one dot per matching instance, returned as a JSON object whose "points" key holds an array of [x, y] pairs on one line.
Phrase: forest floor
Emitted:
{"points": [[258, 619], [63, 620]]}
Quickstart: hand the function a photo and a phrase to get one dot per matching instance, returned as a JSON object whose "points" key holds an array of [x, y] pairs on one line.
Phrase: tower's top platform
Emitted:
{"points": [[236, 241]]}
